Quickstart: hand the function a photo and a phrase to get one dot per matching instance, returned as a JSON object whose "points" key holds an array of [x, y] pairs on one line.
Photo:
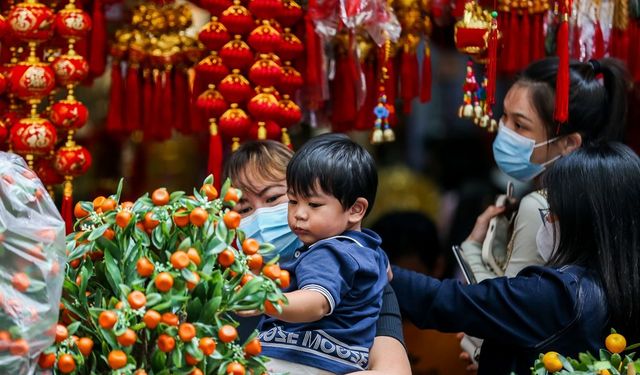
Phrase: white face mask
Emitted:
{"points": [[548, 239]]}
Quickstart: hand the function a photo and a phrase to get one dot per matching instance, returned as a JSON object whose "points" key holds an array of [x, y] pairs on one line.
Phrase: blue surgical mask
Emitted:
{"points": [[513, 151], [269, 224]]}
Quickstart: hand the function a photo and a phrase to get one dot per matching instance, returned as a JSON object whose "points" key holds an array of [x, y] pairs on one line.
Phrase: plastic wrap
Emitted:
{"points": [[32, 253]]}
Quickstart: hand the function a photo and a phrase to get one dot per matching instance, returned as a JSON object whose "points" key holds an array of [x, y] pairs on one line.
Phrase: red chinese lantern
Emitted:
{"points": [[70, 69], [4, 26], [290, 81], [236, 54], [289, 14], [265, 38], [4, 132], [235, 88], [265, 9], [47, 173], [211, 69], [212, 103], [271, 130], [214, 35], [290, 47], [234, 123], [237, 19], [33, 136], [290, 113], [264, 106], [69, 114], [32, 80], [265, 72], [214, 6], [72, 23], [31, 21], [72, 160], [3, 83]]}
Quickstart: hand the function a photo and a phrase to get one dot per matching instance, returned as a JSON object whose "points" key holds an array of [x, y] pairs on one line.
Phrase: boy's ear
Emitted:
{"points": [[358, 210]]}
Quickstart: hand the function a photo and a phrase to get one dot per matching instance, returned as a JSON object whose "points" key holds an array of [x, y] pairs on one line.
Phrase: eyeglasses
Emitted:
{"points": [[545, 215]]}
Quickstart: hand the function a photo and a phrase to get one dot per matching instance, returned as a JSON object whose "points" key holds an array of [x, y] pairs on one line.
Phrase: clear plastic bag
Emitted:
{"points": [[32, 254]]}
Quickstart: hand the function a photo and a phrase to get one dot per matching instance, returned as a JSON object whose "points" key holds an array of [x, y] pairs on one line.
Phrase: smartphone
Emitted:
{"points": [[464, 266]]}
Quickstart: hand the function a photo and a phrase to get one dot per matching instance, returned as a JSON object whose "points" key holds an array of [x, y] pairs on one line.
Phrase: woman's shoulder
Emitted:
{"points": [[534, 200]]}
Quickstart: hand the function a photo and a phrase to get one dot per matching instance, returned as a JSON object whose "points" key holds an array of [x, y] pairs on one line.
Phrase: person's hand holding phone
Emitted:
{"points": [[479, 231]]}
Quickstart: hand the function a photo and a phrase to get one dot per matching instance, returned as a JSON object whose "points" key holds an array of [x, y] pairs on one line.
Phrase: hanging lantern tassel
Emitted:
{"points": [[314, 56], [98, 44], [132, 102], [182, 96], [524, 52], [492, 68], [214, 166], [147, 99], [156, 106], [598, 41], [561, 114], [425, 90], [167, 104], [67, 204], [286, 140], [408, 74], [114, 114]]}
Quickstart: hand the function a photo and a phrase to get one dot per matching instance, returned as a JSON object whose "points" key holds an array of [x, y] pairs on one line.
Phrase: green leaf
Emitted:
{"points": [[113, 273], [157, 237], [98, 232], [208, 180], [176, 357], [210, 309], [176, 195], [73, 328], [125, 289], [216, 246], [631, 347], [222, 231], [153, 299], [193, 350], [185, 244], [585, 358], [158, 360], [119, 190], [188, 275], [109, 246], [194, 308]]}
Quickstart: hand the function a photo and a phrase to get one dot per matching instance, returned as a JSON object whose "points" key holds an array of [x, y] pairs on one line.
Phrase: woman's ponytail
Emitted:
{"points": [[616, 83]]}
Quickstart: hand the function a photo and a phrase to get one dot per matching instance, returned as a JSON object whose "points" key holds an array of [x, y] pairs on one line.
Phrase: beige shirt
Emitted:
{"points": [[522, 248]]}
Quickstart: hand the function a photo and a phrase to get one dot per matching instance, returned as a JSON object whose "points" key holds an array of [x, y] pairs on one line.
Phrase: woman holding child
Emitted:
{"points": [[339, 275]]}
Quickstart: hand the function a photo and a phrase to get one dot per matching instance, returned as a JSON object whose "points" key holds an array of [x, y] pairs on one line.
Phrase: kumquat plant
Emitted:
{"points": [[610, 361], [150, 286]]}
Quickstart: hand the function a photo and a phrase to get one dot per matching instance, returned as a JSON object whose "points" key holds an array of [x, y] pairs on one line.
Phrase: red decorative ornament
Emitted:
{"points": [[47, 173], [33, 136], [265, 9], [212, 103], [4, 26], [290, 81], [12, 116], [72, 23], [271, 128], [214, 6], [290, 113], [290, 47], [236, 54], [264, 106], [72, 160], [265, 38], [32, 80], [265, 72], [4, 132], [290, 13], [214, 35], [69, 114], [237, 19], [235, 88], [234, 123], [211, 69], [31, 22], [70, 69]]}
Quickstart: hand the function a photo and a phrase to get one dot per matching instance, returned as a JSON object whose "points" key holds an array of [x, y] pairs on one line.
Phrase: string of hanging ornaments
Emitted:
{"points": [[371, 43], [43, 135], [248, 85]]}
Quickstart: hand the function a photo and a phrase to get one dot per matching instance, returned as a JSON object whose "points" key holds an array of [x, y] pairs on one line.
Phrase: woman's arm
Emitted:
{"points": [[388, 355], [523, 310]]}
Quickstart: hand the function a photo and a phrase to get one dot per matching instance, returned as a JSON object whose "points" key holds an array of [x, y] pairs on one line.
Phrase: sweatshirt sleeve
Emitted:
{"points": [[472, 252], [523, 310]]}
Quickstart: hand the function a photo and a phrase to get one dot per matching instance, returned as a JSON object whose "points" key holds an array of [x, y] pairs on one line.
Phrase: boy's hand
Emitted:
{"points": [[248, 313]]}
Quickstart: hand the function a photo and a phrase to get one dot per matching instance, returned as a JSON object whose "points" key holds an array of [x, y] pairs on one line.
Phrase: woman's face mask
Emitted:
{"points": [[548, 239], [513, 151], [269, 224]]}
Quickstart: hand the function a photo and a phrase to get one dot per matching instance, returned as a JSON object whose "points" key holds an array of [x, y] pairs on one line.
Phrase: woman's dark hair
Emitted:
{"points": [[597, 107], [338, 166], [267, 158], [594, 192]]}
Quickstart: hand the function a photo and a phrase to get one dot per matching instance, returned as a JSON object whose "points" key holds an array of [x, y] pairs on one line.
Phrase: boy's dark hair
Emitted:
{"points": [[339, 165]]}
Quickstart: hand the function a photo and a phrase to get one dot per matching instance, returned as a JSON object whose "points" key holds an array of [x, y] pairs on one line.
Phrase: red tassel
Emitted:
{"points": [[391, 89], [635, 52], [425, 89], [408, 81], [313, 76], [365, 117], [513, 50], [182, 96], [147, 102], [156, 107], [492, 63], [214, 165], [133, 99], [535, 38], [561, 114], [166, 125], [98, 44], [524, 55], [576, 48], [67, 206], [343, 95], [623, 50], [114, 114], [598, 42]]}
